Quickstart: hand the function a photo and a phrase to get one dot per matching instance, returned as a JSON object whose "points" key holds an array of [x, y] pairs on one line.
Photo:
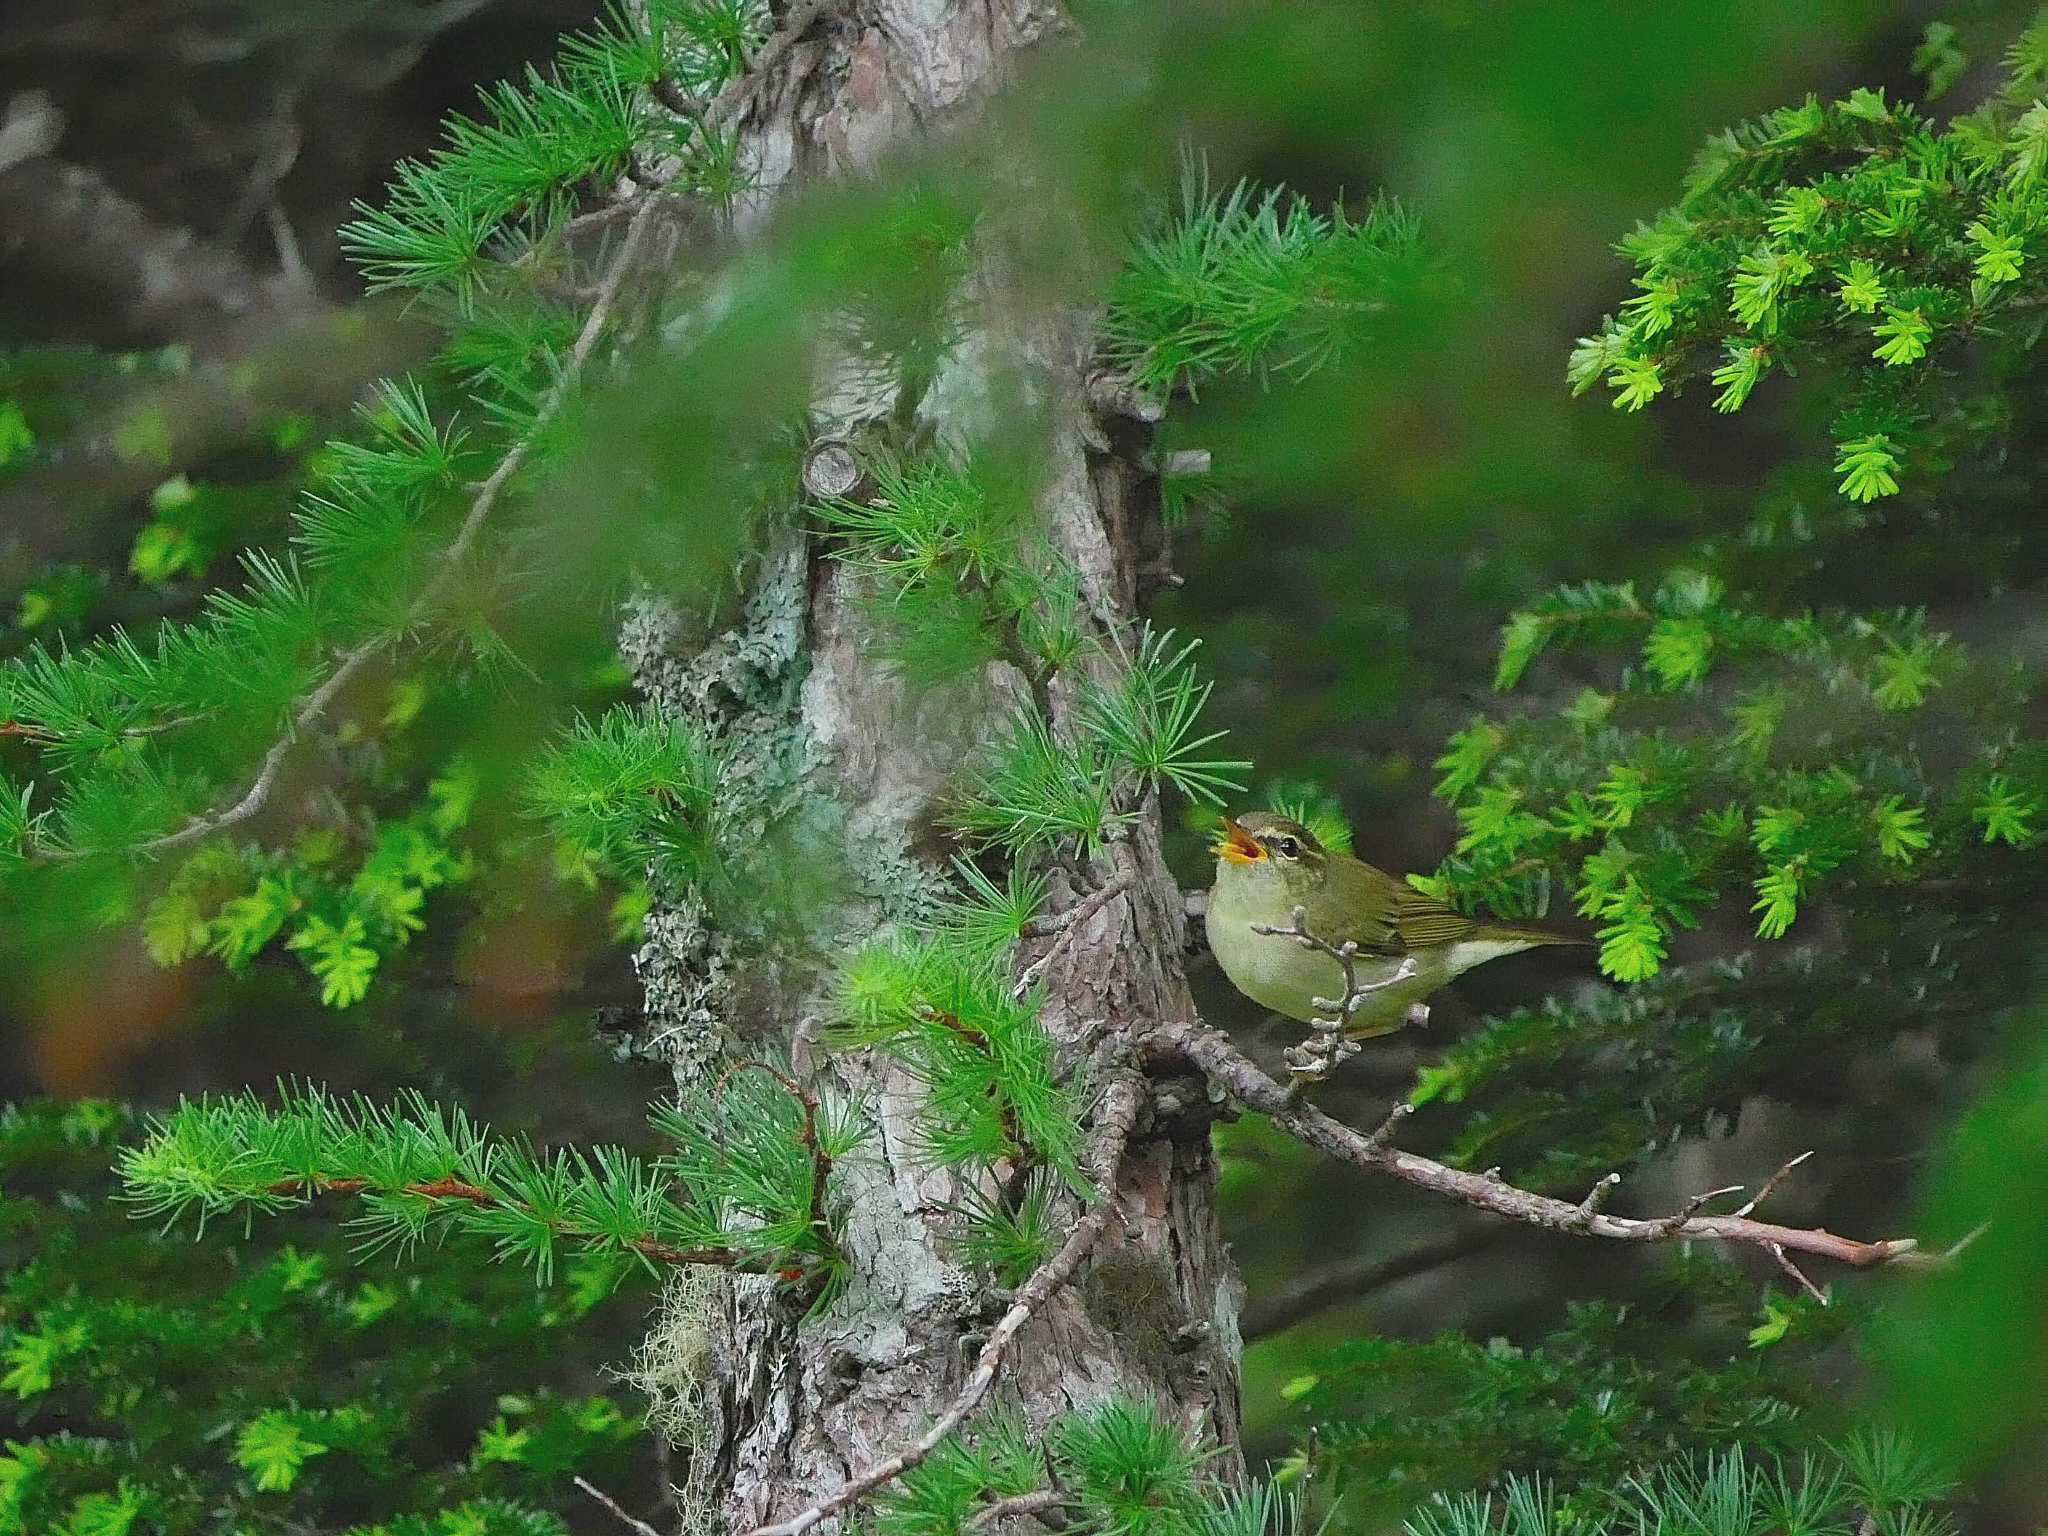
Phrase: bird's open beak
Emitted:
{"points": [[1237, 845]]}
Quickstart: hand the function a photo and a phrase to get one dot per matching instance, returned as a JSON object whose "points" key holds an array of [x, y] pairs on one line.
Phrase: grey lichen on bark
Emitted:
{"points": [[824, 730]]}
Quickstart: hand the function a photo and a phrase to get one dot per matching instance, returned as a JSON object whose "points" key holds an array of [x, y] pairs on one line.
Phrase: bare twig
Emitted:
{"points": [[353, 660], [1777, 1251], [1964, 1241], [738, 94], [582, 224], [1117, 1116], [1597, 1196], [1770, 1186], [1238, 1075], [1042, 1504], [1065, 925], [1395, 1116], [1669, 1225], [612, 1504]]}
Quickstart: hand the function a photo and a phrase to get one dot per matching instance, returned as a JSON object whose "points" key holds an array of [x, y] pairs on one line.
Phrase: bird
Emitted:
{"points": [[1409, 944]]}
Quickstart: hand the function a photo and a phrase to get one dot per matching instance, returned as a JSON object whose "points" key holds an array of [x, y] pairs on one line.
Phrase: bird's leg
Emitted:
{"points": [[1327, 1046]]}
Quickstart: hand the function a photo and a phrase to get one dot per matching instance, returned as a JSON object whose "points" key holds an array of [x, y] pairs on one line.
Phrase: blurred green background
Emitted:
{"points": [[1371, 534]]}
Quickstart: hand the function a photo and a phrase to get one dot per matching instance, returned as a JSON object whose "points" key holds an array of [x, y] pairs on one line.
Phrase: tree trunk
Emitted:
{"points": [[783, 1409]]}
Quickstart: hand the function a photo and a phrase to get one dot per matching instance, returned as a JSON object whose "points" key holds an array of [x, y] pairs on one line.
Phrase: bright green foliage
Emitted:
{"points": [[1856, 242], [1120, 1469], [959, 569], [946, 1006], [1005, 1235], [930, 520], [512, 172], [273, 1446], [631, 789], [1717, 752], [16, 437], [956, 556], [180, 1390], [422, 1172], [1149, 721], [340, 916], [1038, 789], [1651, 818], [1249, 282], [987, 915], [1315, 808], [945, 1002]]}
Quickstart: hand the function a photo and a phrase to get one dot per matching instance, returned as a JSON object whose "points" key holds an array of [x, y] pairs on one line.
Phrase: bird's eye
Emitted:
{"points": [[1288, 848]]}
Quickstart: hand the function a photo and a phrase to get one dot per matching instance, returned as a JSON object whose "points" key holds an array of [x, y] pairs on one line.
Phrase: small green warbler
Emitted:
{"points": [[1409, 944]]}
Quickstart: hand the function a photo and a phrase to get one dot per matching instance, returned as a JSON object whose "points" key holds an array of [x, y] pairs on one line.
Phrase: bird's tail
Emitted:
{"points": [[1510, 934]]}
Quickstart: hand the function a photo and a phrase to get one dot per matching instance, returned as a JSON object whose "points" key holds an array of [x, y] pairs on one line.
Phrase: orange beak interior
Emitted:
{"points": [[1237, 845]]}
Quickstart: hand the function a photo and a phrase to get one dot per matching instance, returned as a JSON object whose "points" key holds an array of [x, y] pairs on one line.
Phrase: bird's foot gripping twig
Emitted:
{"points": [[1329, 1043]]}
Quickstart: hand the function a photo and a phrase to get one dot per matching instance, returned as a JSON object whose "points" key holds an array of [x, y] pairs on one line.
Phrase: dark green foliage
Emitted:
{"points": [[1616, 1389], [146, 736], [1963, 1353], [1717, 744], [156, 1385]]}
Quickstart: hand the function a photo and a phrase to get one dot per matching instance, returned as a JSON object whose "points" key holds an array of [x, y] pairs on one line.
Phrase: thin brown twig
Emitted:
{"points": [[1118, 1115], [359, 656], [1334, 1285], [1777, 1251], [1066, 925], [1770, 1185], [1042, 1504], [1238, 1075], [42, 735], [582, 224], [612, 1504], [1328, 1044]]}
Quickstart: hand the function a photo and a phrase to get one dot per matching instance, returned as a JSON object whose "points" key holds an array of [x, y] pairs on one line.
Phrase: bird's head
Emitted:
{"points": [[1277, 857]]}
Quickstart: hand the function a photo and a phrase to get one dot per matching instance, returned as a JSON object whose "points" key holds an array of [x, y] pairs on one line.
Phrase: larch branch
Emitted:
{"points": [[488, 492]]}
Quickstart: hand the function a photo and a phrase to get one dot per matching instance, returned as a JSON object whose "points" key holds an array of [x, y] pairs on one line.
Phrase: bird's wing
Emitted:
{"points": [[1394, 917], [1424, 922]]}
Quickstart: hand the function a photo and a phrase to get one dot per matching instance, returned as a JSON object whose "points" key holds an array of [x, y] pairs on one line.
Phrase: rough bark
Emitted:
{"points": [[790, 1407]]}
